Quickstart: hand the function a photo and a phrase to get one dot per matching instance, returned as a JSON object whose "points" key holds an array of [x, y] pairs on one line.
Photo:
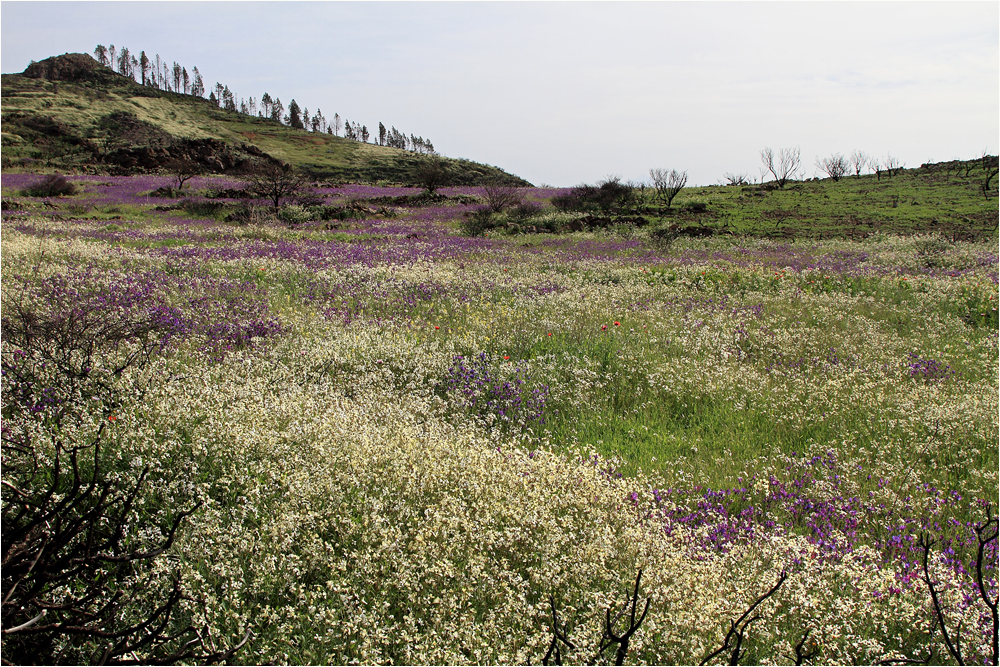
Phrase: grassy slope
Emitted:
{"points": [[79, 106], [930, 198]]}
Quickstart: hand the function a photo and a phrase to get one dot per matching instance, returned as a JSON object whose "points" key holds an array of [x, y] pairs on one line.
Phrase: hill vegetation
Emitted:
{"points": [[73, 114], [250, 416]]}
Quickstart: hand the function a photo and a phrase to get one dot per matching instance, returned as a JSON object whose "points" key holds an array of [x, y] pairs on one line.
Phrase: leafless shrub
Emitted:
{"points": [[738, 628], [668, 183], [986, 533], [991, 166], [736, 179], [183, 169], [785, 166], [500, 196], [892, 166], [835, 166], [274, 182], [859, 160], [78, 576], [877, 167], [610, 637], [431, 175]]}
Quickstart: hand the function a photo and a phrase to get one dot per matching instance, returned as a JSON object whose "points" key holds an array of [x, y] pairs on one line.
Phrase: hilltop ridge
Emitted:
{"points": [[73, 114]]}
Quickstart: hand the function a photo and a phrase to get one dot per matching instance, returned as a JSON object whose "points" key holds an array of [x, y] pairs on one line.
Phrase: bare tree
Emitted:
{"points": [[785, 167], [991, 166], [668, 183], [431, 175], [835, 166], [892, 165], [183, 169], [736, 179], [876, 166], [274, 182], [500, 195], [859, 159]]}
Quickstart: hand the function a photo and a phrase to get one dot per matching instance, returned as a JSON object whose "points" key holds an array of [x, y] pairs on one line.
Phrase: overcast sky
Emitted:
{"points": [[569, 92]]}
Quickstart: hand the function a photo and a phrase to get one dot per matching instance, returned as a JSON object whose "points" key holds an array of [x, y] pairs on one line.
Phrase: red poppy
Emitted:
{"points": [[112, 418], [506, 357], [618, 324], [604, 327], [436, 327]]}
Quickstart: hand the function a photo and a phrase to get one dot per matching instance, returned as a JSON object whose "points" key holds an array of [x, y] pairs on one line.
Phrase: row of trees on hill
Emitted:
{"points": [[175, 78], [786, 165]]}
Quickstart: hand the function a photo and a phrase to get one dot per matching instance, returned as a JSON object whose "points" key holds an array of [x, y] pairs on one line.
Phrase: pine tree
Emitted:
{"points": [[125, 62], [101, 53], [198, 86], [294, 115], [381, 134], [144, 67]]}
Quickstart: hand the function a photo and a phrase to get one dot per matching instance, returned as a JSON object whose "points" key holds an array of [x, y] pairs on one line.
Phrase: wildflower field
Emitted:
{"points": [[398, 443]]}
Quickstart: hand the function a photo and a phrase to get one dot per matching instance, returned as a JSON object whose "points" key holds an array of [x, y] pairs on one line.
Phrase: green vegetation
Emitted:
{"points": [[947, 199], [451, 427], [58, 125]]}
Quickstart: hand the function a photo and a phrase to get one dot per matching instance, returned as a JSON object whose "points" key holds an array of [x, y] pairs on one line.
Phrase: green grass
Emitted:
{"points": [[78, 107], [931, 198]]}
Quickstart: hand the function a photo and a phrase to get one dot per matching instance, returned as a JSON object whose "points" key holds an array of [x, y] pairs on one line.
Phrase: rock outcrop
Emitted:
{"points": [[67, 67]]}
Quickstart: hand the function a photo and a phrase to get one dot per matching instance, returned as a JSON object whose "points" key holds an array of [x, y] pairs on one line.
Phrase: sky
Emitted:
{"points": [[562, 93]]}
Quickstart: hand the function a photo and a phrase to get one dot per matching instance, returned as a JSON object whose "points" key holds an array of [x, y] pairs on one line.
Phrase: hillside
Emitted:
{"points": [[70, 113]]}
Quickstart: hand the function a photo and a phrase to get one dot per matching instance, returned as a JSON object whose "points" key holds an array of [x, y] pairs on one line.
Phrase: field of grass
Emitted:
{"points": [[409, 444], [939, 198]]}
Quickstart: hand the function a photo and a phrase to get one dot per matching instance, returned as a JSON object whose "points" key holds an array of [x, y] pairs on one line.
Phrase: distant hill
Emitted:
{"points": [[71, 113]]}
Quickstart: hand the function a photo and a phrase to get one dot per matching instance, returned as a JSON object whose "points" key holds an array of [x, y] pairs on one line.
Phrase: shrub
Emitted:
{"points": [[53, 185], [294, 215], [525, 211], [251, 214], [478, 223], [431, 175], [500, 196], [80, 582], [610, 195]]}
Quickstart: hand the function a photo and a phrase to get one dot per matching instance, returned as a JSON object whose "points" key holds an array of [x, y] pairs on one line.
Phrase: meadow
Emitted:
{"points": [[404, 444]]}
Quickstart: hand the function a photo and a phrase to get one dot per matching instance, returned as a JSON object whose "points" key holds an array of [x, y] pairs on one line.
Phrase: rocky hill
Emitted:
{"points": [[71, 113]]}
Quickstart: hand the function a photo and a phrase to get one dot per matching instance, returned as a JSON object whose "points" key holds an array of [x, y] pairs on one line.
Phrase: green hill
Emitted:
{"points": [[71, 113]]}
